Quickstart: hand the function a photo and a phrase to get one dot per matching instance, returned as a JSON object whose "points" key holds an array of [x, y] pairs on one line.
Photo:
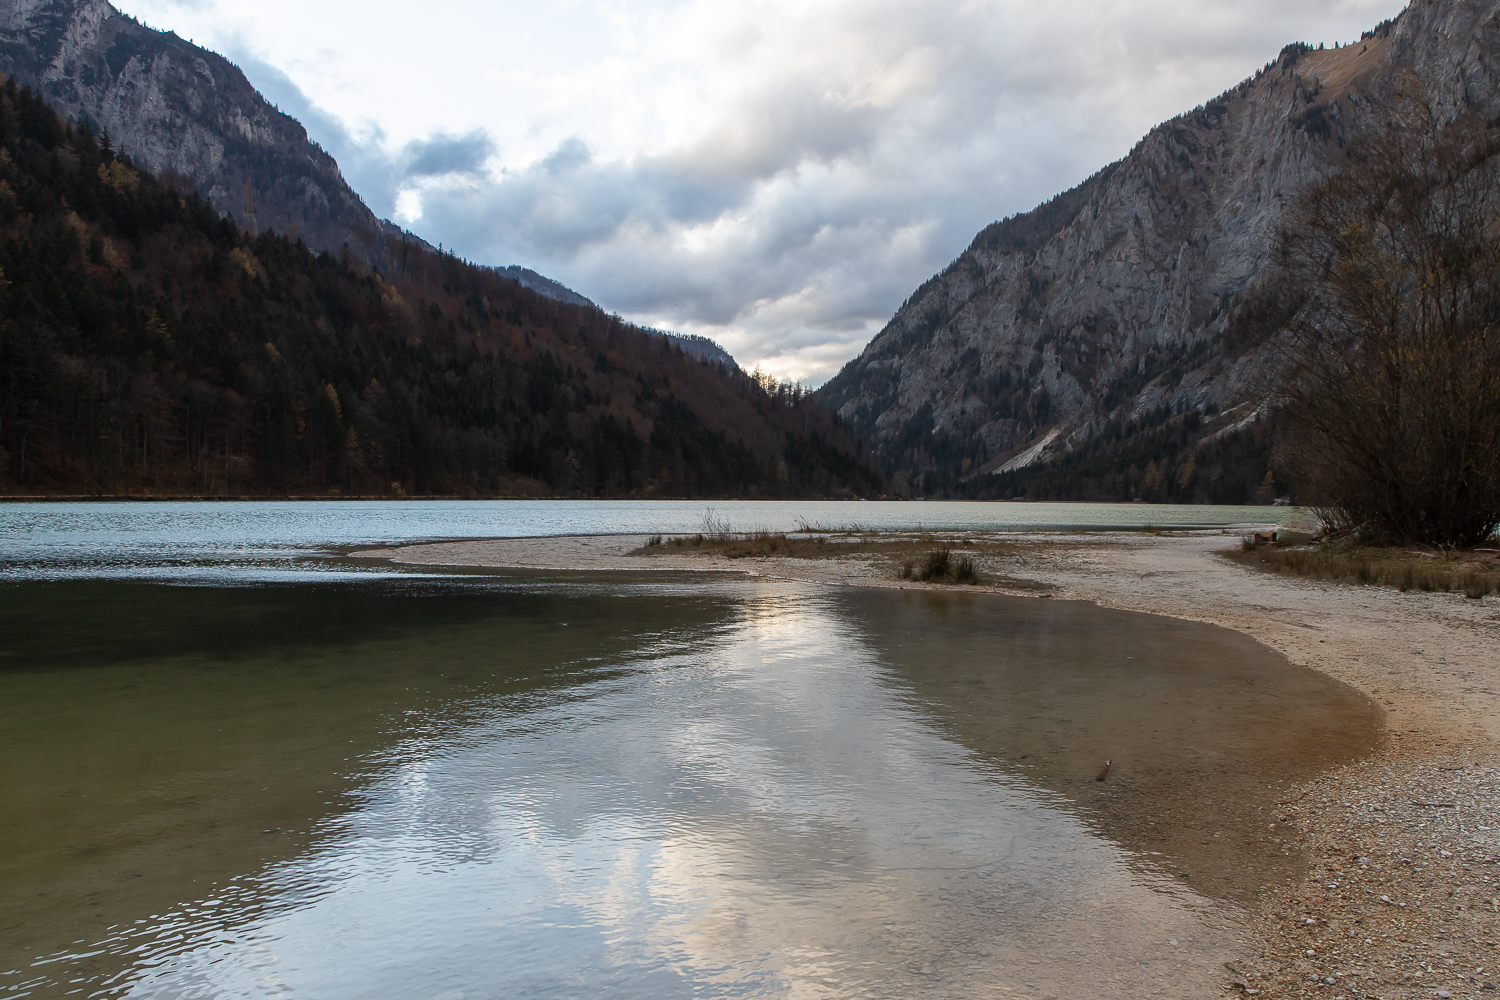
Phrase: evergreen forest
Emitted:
{"points": [[149, 346]]}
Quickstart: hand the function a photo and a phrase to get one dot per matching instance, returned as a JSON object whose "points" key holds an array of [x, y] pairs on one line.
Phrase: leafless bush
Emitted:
{"points": [[716, 528], [1391, 388]]}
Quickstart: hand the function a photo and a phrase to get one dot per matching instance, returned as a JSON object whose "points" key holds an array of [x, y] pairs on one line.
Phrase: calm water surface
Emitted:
{"points": [[555, 786], [271, 540]]}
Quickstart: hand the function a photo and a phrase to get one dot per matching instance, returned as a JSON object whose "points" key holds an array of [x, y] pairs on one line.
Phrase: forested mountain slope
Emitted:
{"points": [[150, 345], [177, 108], [180, 109], [1112, 342]]}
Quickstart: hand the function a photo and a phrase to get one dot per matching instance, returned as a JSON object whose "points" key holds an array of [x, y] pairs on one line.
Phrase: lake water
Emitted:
{"points": [[269, 540], [309, 782]]}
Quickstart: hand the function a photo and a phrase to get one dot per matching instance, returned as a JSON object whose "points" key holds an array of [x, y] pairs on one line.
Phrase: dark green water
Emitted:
{"points": [[557, 787]]}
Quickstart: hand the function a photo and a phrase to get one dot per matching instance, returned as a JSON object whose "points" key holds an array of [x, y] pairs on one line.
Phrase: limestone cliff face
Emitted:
{"points": [[1138, 289], [179, 109]]}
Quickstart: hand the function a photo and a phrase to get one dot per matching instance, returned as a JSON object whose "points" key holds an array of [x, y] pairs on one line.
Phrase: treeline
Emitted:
{"points": [[1161, 456], [148, 345]]}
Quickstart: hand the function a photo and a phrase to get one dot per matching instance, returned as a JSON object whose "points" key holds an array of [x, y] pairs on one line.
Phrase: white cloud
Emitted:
{"points": [[777, 175], [408, 207]]}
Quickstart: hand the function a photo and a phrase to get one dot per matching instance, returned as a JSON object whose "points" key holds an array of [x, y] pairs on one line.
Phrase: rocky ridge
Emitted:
{"points": [[543, 285], [180, 110], [177, 109], [1138, 295], [697, 346]]}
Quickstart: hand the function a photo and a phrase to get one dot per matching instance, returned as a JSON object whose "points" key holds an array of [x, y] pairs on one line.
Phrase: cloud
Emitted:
{"points": [[446, 155], [776, 174]]}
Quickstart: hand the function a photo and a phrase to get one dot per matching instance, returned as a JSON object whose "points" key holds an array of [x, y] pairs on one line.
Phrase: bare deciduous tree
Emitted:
{"points": [[1391, 387]]}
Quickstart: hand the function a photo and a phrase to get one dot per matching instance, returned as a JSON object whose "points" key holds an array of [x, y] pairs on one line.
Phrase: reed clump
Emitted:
{"points": [[737, 546], [1474, 573], [941, 566]]}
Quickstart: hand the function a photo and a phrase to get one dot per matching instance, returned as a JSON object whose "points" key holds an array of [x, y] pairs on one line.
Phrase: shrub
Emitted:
{"points": [[1391, 381]]}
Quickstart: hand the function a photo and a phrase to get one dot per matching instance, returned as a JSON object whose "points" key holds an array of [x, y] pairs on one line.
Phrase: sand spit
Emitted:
{"points": [[1400, 893]]}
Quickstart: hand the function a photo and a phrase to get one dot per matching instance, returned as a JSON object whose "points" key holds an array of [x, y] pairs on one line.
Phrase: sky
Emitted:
{"points": [[777, 175]]}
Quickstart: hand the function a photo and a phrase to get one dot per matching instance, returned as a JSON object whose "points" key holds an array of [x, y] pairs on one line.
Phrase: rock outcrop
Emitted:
{"points": [[542, 285], [181, 110], [695, 346], [1137, 296]]}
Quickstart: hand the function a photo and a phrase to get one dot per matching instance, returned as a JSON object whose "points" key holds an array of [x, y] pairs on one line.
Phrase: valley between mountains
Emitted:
{"points": [[1114, 343]]}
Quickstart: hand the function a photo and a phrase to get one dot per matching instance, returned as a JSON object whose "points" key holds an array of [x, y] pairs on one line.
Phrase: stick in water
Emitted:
{"points": [[1104, 773]]}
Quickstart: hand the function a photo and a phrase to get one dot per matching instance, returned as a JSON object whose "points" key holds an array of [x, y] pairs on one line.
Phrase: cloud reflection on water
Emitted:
{"points": [[764, 814]]}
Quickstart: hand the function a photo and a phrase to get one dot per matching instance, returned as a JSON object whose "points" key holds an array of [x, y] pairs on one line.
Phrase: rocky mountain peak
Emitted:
{"points": [[1135, 298], [183, 111]]}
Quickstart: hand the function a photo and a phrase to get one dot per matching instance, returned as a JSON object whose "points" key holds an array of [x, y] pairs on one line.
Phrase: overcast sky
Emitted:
{"points": [[778, 175]]}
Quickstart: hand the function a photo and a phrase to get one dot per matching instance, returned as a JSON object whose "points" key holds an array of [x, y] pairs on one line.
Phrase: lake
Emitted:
{"points": [[292, 779], [214, 541]]}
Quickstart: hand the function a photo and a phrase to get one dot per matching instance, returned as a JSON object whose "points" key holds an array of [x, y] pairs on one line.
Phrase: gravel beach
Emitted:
{"points": [[1396, 887], [1399, 895]]}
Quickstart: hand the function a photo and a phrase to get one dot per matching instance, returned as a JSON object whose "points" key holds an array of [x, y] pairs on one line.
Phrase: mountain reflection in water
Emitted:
{"points": [[559, 787]]}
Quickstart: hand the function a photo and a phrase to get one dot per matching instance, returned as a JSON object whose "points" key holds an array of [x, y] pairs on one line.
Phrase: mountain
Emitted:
{"points": [[528, 278], [1109, 343], [150, 346], [700, 347], [182, 110], [691, 343]]}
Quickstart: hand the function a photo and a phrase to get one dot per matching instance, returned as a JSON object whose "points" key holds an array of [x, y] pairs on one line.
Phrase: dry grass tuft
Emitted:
{"points": [[1475, 573], [740, 546], [941, 567], [918, 556], [912, 546]]}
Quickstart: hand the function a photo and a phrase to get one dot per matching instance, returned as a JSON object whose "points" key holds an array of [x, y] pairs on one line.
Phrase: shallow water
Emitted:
{"points": [[271, 540], [538, 786]]}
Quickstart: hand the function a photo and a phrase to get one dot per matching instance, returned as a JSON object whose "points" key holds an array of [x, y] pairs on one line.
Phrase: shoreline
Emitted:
{"points": [[425, 497], [1400, 890]]}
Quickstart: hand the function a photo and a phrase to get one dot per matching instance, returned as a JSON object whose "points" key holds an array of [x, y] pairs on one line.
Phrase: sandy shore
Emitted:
{"points": [[1400, 892]]}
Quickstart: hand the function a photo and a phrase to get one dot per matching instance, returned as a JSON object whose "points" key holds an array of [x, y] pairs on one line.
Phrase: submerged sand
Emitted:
{"points": [[1399, 893]]}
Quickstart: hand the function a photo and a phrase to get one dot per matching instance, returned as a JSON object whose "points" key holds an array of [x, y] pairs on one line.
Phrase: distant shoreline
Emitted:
{"points": [[248, 498], [447, 498]]}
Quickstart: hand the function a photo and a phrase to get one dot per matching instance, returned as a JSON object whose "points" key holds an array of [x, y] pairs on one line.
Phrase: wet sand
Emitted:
{"points": [[1421, 924]]}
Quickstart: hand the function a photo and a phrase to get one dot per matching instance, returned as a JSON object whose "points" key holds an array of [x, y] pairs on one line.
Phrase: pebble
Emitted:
{"points": [[1414, 828]]}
